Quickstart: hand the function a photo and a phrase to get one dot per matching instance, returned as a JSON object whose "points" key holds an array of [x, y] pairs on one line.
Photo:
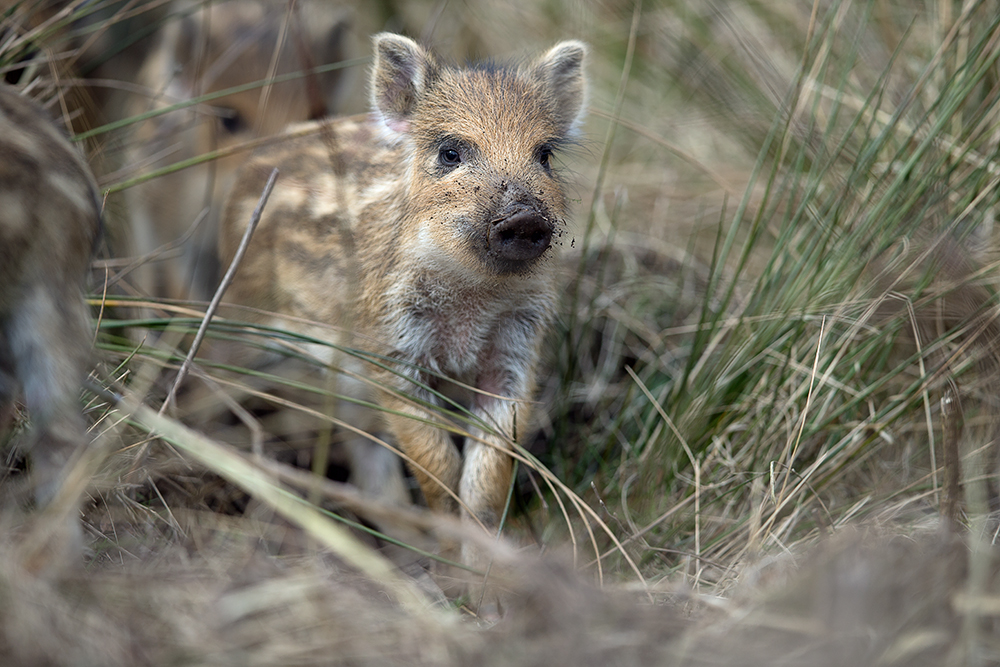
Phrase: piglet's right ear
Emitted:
{"points": [[400, 76]]}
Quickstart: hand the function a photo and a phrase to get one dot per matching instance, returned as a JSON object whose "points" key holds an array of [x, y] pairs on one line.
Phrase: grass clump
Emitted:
{"points": [[846, 292]]}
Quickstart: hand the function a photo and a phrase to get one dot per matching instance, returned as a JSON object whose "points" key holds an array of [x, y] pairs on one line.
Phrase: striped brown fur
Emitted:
{"points": [[219, 46]]}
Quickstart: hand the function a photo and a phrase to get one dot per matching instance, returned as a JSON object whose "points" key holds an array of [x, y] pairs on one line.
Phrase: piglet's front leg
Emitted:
{"points": [[486, 460], [480, 476], [501, 405], [504, 384], [433, 457]]}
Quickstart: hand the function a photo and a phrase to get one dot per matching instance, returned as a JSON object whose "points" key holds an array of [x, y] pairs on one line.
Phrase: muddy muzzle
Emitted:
{"points": [[521, 234]]}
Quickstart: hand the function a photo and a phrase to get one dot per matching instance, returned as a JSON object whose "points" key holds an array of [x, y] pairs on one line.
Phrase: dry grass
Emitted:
{"points": [[864, 598]]}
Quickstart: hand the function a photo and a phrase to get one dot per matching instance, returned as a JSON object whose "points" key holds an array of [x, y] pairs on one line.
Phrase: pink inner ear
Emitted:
{"points": [[399, 125]]}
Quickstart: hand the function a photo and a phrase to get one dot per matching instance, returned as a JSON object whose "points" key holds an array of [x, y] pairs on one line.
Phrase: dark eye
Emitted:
{"points": [[232, 121], [449, 157], [543, 157]]}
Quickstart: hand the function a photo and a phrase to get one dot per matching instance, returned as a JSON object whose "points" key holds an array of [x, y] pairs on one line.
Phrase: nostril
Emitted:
{"points": [[535, 235], [507, 235]]}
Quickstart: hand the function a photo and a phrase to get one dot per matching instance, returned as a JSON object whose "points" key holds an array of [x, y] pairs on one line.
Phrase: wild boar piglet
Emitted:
{"points": [[50, 219], [425, 234]]}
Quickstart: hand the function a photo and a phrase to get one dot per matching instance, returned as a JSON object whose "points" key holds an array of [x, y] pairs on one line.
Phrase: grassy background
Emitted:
{"points": [[778, 327]]}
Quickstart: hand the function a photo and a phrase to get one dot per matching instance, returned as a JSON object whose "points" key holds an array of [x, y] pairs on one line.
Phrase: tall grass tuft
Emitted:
{"points": [[758, 394]]}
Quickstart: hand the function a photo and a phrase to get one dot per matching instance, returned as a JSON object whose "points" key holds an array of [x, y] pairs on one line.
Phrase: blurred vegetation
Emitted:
{"points": [[789, 376]]}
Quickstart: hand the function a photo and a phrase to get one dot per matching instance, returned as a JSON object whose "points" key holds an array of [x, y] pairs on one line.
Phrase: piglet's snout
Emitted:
{"points": [[520, 234]]}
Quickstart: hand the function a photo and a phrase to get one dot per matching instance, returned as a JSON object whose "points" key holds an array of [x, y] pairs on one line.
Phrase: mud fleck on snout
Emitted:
{"points": [[520, 234]]}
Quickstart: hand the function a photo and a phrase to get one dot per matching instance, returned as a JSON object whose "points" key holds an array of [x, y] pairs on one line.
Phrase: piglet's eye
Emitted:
{"points": [[231, 120], [543, 157], [449, 157]]}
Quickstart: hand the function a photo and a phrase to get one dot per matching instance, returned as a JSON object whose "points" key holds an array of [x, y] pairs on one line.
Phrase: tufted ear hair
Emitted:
{"points": [[400, 76], [561, 71]]}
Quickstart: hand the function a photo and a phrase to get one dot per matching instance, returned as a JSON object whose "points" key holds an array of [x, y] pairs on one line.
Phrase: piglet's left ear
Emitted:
{"points": [[561, 71]]}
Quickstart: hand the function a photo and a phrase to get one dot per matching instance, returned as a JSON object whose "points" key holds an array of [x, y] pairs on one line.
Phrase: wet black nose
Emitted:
{"points": [[520, 235]]}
